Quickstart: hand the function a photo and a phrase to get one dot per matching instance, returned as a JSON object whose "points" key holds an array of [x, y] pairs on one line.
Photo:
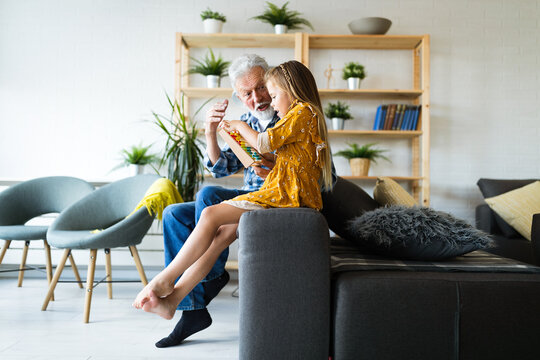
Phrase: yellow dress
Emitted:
{"points": [[294, 180]]}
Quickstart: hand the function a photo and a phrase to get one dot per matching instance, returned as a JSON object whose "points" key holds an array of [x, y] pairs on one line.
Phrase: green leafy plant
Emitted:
{"points": [[353, 69], [366, 151], [138, 155], [275, 15], [337, 110], [182, 153], [210, 65], [209, 14]]}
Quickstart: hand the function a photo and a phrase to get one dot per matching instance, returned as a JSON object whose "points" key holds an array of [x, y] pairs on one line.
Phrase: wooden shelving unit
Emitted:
{"points": [[302, 43]]}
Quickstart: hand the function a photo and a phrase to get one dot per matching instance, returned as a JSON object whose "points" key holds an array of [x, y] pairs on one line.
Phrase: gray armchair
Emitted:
{"points": [[27, 200], [101, 221]]}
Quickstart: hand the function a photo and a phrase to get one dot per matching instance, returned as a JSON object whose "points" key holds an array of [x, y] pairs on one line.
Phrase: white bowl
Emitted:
{"points": [[370, 26]]}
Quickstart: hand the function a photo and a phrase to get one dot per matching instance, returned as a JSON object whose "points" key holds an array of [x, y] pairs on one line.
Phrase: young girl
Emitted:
{"points": [[302, 165]]}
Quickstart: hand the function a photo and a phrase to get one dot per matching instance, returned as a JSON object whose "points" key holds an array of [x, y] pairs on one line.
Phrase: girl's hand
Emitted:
{"points": [[231, 125]]}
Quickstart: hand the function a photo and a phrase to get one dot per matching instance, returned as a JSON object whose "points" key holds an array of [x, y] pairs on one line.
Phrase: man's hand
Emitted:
{"points": [[261, 172], [214, 116]]}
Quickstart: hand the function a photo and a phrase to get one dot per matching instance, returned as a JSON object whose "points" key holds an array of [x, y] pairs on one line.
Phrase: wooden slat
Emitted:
{"points": [[392, 42], [240, 40], [378, 133]]}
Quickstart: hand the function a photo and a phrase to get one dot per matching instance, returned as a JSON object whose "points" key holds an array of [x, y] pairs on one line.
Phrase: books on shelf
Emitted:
{"points": [[401, 117]]}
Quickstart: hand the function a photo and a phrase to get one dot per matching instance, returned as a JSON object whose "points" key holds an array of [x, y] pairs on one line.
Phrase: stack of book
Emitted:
{"points": [[397, 117]]}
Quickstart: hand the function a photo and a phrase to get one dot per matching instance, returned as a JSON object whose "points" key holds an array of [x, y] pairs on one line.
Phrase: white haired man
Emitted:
{"points": [[247, 77]]}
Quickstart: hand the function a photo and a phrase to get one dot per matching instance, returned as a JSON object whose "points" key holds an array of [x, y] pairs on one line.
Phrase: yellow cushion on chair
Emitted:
{"points": [[518, 206], [387, 192], [159, 195]]}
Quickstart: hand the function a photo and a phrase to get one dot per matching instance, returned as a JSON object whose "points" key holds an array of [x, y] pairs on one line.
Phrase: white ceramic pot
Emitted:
{"points": [[338, 123], [213, 81], [280, 29], [135, 169], [354, 83], [212, 26]]}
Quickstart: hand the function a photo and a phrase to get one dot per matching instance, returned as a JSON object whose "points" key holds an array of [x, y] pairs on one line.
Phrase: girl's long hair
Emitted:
{"points": [[295, 79]]}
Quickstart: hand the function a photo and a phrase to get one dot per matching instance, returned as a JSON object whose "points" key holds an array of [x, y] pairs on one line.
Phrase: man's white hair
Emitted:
{"points": [[243, 65]]}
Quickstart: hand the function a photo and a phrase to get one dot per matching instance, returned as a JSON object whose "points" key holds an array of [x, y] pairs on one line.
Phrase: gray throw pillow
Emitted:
{"points": [[416, 233]]}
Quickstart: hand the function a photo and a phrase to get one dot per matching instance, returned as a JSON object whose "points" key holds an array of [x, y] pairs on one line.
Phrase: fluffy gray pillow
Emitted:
{"points": [[416, 233]]}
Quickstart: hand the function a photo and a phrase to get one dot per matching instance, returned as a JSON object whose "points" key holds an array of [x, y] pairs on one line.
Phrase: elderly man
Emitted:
{"points": [[247, 77]]}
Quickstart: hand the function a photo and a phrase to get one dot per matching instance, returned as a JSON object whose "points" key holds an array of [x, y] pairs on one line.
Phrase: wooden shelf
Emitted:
{"points": [[378, 133], [380, 42], [204, 93], [350, 177], [239, 40]]}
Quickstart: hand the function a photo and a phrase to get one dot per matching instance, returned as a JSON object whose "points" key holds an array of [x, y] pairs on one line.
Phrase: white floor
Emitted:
{"points": [[116, 330]]}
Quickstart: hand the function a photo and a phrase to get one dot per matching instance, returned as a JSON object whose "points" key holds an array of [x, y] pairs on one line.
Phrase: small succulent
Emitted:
{"points": [[353, 69], [210, 65], [209, 14], [337, 110], [276, 15], [366, 151]]}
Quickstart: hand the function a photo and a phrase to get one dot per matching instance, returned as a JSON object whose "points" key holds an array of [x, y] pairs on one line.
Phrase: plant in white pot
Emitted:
{"points": [[136, 158], [338, 113], [211, 67], [360, 157], [282, 18], [212, 21], [353, 72]]}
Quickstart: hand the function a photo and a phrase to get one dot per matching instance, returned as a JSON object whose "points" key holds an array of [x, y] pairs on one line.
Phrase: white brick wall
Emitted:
{"points": [[78, 78]]}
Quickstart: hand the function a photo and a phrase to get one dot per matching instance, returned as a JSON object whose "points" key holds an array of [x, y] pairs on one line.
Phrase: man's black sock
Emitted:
{"points": [[214, 286], [191, 322]]}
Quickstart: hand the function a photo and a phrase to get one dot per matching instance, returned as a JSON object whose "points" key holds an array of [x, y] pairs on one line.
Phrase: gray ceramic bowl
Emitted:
{"points": [[370, 26]]}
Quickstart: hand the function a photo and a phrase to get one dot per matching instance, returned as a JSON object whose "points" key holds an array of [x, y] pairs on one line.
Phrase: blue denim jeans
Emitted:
{"points": [[179, 221]]}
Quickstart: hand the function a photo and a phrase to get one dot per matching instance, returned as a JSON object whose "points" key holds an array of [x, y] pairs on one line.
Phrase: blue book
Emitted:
{"points": [[406, 118], [416, 115], [377, 118], [384, 108]]}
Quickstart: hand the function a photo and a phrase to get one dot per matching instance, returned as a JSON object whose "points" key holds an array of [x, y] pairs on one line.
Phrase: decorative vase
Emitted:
{"points": [[213, 81], [338, 123], [354, 83], [212, 26], [280, 29], [359, 166], [136, 169]]}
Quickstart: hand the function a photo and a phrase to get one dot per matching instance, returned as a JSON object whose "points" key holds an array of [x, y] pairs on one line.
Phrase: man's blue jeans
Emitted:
{"points": [[179, 221]]}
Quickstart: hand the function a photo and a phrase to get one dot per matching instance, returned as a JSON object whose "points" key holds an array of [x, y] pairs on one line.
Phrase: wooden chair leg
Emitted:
{"points": [[108, 270], [23, 262], [6, 246], [48, 264], [138, 264], [54, 281], [75, 270], [89, 284]]}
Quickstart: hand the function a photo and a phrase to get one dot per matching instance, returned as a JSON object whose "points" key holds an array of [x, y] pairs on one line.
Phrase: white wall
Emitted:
{"points": [[78, 79]]}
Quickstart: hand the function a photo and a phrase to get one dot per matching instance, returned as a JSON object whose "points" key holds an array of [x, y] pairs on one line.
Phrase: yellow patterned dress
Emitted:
{"points": [[294, 180]]}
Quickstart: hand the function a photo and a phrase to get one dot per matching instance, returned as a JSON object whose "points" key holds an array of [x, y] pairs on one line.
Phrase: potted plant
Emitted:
{"points": [[211, 67], [212, 21], [282, 18], [136, 158], [182, 153], [338, 112], [353, 72], [360, 157]]}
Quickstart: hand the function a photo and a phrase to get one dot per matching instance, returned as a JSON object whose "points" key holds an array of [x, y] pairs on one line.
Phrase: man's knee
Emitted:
{"points": [[183, 212], [209, 195]]}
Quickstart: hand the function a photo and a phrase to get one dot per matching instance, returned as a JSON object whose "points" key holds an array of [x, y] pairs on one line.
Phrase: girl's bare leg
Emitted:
{"points": [[196, 245], [166, 307]]}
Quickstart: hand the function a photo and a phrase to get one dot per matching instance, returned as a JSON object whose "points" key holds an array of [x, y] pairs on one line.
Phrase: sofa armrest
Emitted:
{"points": [[535, 238], [284, 278], [485, 219]]}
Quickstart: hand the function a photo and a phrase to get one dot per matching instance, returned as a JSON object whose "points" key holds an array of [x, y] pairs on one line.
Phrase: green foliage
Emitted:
{"points": [[275, 15], [366, 151], [210, 65], [209, 14], [353, 69], [337, 110], [182, 154], [138, 155]]}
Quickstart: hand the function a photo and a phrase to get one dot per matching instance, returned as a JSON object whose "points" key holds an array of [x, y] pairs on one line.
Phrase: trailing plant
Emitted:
{"points": [[275, 15], [337, 110], [182, 153], [210, 65], [353, 69], [366, 151], [209, 14]]}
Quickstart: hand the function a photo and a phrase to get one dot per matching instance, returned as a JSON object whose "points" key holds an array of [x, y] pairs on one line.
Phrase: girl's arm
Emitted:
{"points": [[244, 129]]}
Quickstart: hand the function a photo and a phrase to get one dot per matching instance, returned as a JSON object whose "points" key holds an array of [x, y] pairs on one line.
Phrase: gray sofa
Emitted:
{"points": [[293, 305]]}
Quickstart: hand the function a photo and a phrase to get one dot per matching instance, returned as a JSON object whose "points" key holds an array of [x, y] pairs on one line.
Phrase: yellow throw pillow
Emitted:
{"points": [[518, 206], [387, 192]]}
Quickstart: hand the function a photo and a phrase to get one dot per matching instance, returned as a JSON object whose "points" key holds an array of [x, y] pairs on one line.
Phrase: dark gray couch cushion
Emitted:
{"points": [[416, 233]]}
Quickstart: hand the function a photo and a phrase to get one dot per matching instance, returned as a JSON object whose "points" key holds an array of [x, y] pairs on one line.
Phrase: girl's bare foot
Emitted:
{"points": [[163, 307], [158, 286]]}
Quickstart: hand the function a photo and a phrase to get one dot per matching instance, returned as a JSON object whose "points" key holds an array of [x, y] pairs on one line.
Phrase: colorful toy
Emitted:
{"points": [[245, 153]]}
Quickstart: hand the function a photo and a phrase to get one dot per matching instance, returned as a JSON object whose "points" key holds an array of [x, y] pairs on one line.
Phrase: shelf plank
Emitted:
{"points": [[350, 177], [207, 92], [392, 42], [239, 40], [378, 133]]}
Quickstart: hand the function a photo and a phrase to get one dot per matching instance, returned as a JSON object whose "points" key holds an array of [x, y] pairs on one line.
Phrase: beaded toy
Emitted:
{"points": [[245, 153]]}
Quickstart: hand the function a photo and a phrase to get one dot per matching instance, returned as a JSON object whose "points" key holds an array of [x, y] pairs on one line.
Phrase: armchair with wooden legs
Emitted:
{"points": [[102, 220], [30, 199]]}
